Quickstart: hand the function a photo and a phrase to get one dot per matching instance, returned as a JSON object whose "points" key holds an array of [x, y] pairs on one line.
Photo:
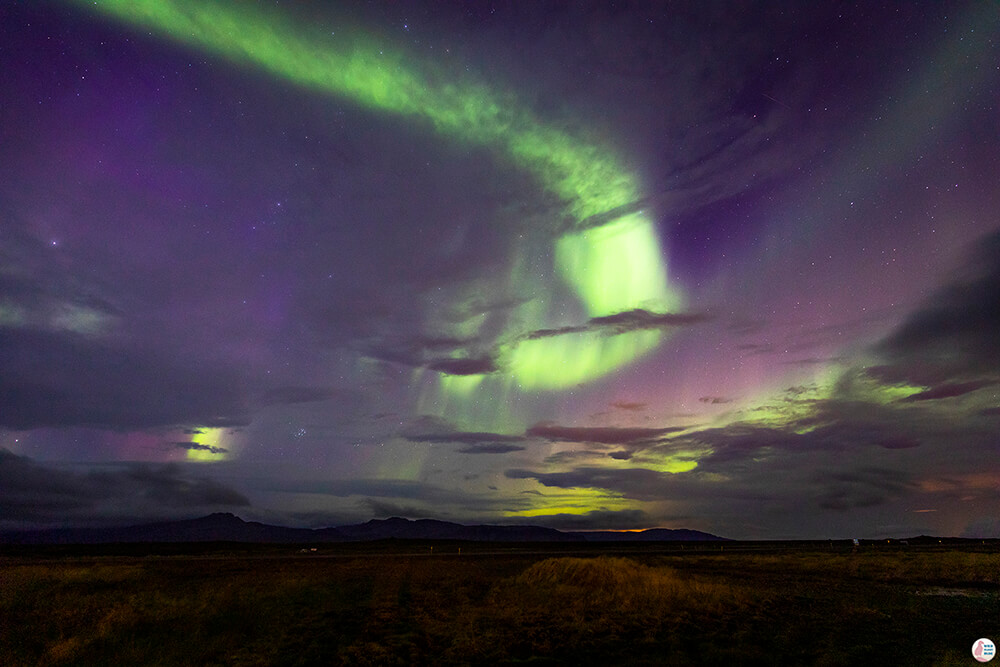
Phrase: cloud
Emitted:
{"points": [[480, 356], [569, 455], [382, 509], [606, 435], [638, 318], [898, 442], [39, 494], [451, 356], [636, 483], [948, 390], [408, 490], [491, 448], [624, 322], [436, 430], [200, 447], [863, 487], [630, 406], [475, 366], [955, 335], [832, 425], [715, 400]]}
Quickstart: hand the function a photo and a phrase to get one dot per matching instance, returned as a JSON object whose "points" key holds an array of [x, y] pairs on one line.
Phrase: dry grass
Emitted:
{"points": [[801, 608], [887, 565], [623, 585]]}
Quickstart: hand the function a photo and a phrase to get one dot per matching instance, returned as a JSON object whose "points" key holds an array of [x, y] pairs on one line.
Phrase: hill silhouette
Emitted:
{"points": [[226, 527]]}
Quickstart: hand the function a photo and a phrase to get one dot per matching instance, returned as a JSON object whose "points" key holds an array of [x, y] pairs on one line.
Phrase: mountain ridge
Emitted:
{"points": [[227, 527]]}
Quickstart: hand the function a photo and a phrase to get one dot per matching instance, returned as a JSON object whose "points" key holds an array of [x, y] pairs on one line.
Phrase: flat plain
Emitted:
{"points": [[401, 603]]}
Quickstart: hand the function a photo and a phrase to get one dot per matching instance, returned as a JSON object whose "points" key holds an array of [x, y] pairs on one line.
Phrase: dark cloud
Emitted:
{"points": [[56, 379], [381, 509], [477, 366], [735, 442], [380, 488], [607, 435], [638, 318], [36, 493], [863, 487], [948, 390], [451, 356], [200, 447], [831, 425], [624, 322], [407, 490], [561, 331], [715, 400], [898, 442], [955, 335], [436, 430], [630, 406], [491, 448], [573, 455]]}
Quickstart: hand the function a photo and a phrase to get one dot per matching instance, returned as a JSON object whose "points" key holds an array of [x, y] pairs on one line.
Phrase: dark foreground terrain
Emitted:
{"points": [[451, 603]]}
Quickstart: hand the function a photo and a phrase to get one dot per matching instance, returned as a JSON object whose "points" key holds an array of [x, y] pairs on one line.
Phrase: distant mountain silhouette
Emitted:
{"points": [[431, 529], [219, 527], [652, 535], [225, 527]]}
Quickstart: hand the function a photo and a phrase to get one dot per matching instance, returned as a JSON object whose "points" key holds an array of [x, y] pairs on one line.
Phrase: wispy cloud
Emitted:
{"points": [[619, 323], [606, 435], [200, 447]]}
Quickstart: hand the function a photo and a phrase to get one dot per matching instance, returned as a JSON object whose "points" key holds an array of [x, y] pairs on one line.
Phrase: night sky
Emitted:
{"points": [[732, 267]]}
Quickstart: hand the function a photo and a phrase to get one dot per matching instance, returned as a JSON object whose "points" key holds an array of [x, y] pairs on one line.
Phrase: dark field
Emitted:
{"points": [[401, 603]]}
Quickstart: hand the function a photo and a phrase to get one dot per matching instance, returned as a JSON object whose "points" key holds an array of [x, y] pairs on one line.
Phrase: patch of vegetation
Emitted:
{"points": [[275, 608]]}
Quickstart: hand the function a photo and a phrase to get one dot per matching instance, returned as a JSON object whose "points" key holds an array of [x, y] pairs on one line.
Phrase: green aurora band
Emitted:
{"points": [[611, 268]]}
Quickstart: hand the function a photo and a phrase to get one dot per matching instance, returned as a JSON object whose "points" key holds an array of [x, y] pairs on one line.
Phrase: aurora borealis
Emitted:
{"points": [[582, 265]]}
